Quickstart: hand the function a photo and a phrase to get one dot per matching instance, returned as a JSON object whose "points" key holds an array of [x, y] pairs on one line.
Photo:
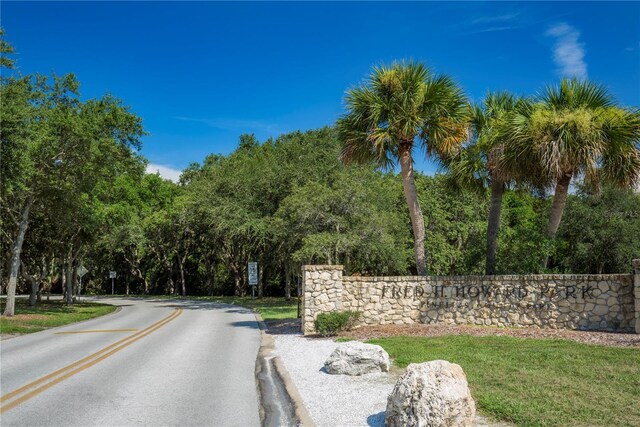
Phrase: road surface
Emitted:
{"points": [[155, 362]]}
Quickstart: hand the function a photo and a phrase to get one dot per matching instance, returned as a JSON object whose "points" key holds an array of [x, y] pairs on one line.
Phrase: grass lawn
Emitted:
{"points": [[48, 314], [537, 382]]}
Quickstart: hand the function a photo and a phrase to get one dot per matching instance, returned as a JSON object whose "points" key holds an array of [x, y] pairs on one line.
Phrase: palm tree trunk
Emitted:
{"points": [[15, 259], [410, 194], [557, 208], [497, 189]]}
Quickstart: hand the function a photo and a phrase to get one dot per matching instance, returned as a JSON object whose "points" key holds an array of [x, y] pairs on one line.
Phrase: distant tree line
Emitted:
{"points": [[74, 193]]}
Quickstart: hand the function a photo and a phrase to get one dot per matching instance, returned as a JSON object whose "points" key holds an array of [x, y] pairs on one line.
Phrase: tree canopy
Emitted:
{"points": [[74, 193]]}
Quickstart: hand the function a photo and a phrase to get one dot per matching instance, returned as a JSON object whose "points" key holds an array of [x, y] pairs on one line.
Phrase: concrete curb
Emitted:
{"points": [[303, 417], [267, 346]]}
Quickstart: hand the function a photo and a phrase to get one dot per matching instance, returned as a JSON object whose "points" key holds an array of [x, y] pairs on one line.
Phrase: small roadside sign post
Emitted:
{"points": [[112, 276], [253, 277], [81, 272], [299, 296]]}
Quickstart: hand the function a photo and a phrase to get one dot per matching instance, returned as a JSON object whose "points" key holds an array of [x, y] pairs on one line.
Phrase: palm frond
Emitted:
{"points": [[401, 104], [574, 93], [466, 170], [621, 159]]}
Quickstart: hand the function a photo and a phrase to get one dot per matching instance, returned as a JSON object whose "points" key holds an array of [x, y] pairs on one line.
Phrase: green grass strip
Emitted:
{"points": [[537, 382], [49, 314]]}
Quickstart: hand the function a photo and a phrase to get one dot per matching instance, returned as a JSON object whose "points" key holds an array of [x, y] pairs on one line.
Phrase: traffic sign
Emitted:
{"points": [[112, 275], [82, 271], [253, 273]]}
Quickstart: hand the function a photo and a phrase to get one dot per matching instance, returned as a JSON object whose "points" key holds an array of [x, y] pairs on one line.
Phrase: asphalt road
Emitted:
{"points": [[154, 362]]}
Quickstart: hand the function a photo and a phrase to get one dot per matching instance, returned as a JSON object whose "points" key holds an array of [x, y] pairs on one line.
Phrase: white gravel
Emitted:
{"points": [[339, 400], [333, 400]]}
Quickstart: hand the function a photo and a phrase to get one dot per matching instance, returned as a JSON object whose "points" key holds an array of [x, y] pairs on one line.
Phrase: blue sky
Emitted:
{"points": [[202, 73]]}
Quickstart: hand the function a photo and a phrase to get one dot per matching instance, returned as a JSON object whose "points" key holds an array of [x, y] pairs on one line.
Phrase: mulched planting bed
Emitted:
{"points": [[420, 330], [284, 326]]}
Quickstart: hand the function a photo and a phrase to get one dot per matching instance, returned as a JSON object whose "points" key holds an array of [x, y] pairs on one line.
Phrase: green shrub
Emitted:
{"points": [[329, 324]]}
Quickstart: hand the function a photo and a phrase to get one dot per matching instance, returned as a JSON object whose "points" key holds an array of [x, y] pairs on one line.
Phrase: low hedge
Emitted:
{"points": [[329, 324]]}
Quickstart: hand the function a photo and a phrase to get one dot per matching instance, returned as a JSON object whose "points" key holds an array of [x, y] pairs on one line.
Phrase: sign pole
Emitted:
{"points": [[81, 272], [252, 270], [112, 276], [299, 294]]}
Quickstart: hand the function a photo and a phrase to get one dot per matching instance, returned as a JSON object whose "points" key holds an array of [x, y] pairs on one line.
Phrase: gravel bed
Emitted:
{"points": [[342, 401], [339, 400], [333, 400]]}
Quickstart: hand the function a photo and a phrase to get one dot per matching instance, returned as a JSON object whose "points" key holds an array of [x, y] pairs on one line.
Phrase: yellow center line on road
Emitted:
{"points": [[97, 330], [54, 378]]}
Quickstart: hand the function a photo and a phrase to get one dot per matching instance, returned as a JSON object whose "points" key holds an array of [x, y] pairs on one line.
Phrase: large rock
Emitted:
{"points": [[357, 358], [431, 394]]}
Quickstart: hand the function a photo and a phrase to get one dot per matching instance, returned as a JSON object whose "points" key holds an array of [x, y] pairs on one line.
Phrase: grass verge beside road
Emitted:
{"points": [[48, 314], [537, 382], [270, 308]]}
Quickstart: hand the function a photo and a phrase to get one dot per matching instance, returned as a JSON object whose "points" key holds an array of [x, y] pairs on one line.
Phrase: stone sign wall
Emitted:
{"points": [[603, 302]]}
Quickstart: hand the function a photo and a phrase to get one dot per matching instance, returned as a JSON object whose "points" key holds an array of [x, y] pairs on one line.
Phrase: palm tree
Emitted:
{"points": [[577, 130], [396, 109], [478, 165]]}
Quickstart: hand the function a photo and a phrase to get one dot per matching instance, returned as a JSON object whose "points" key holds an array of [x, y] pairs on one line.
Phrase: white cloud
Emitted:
{"points": [[492, 29], [492, 23], [495, 18], [568, 52], [165, 172], [632, 48], [233, 124]]}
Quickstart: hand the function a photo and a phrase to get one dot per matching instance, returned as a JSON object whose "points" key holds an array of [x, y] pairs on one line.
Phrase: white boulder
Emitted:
{"points": [[357, 358], [431, 394]]}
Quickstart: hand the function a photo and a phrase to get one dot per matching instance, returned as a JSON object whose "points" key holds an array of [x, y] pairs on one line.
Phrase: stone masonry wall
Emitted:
{"points": [[603, 302], [322, 292]]}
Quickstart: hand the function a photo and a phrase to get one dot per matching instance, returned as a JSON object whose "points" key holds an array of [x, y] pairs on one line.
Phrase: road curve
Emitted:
{"points": [[154, 362]]}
